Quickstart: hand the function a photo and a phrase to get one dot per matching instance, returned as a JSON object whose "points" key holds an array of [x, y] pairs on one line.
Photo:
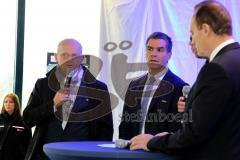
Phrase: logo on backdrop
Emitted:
{"points": [[119, 70]]}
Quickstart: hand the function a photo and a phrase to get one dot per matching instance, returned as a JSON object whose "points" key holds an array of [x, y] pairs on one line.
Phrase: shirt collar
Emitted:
{"points": [[219, 47], [160, 75], [59, 74], [76, 75]]}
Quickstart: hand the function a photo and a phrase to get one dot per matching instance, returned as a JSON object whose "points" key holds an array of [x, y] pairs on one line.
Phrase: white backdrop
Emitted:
{"points": [[96, 22], [135, 20], [50, 21]]}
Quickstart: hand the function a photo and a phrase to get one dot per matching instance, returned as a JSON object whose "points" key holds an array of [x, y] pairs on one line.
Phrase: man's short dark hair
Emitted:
{"points": [[163, 36], [215, 15]]}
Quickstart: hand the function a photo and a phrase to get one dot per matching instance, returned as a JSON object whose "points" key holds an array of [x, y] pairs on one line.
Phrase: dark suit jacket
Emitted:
{"points": [[163, 102], [40, 112], [214, 103]]}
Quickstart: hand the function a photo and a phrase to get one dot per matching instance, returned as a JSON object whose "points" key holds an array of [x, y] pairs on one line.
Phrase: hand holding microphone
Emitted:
{"points": [[181, 101], [185, 90], [62, 96], [67, 84]]}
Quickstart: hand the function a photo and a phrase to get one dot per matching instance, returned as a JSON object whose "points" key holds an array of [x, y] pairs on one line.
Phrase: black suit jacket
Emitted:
{"points": [[214, 103], [163, 102], [40, 111], [13, 139]]}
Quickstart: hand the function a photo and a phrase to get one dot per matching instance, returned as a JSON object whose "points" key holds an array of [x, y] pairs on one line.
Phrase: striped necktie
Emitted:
{"points": [[145, 100]]}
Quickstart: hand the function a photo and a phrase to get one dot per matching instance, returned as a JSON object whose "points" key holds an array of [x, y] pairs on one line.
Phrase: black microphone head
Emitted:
{"points": [[67, 81], [121, 143], [185, 90]]}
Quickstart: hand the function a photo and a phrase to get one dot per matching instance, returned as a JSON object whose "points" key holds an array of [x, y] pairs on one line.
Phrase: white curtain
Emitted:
{"points": [[131, 22]]}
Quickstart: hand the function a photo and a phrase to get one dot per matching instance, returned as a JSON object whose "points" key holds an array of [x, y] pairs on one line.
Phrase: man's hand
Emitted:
{"points": [[162, 134], [181, 104], [61, 96], [140, 142]]}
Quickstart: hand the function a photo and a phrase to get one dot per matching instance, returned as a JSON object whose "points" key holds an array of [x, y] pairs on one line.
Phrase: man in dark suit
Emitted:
{"points": [[214, 132], [67, 88], [149, 110]]}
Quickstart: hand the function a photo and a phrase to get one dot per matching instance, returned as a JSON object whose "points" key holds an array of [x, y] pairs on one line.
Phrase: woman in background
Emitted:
{"points": [[14, 136]]}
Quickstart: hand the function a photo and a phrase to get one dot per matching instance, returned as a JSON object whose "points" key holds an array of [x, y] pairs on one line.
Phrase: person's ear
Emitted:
{"points": [[206, 29]]}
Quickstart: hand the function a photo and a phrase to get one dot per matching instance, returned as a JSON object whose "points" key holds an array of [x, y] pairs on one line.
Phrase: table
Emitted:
{"points": [[94, 150]]}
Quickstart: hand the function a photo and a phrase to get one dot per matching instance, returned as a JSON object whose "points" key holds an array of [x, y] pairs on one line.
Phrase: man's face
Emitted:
{"points": [[68, 56], [199, 39], [157, 54]]}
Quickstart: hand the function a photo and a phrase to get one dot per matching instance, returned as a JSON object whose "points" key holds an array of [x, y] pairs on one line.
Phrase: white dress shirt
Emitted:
{"points": [[74, 87], [219, 47], [159, 76]]}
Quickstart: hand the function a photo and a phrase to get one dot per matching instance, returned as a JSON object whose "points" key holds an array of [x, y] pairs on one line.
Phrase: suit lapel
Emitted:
{"points": [[190, 97], [225, 49], [140, 89], [162, 91], [52, 81], [81, 101]]}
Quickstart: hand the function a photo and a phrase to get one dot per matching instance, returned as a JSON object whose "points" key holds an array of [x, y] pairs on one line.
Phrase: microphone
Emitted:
{"points": [[185, 90], [122, 143], [67, 81]]}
